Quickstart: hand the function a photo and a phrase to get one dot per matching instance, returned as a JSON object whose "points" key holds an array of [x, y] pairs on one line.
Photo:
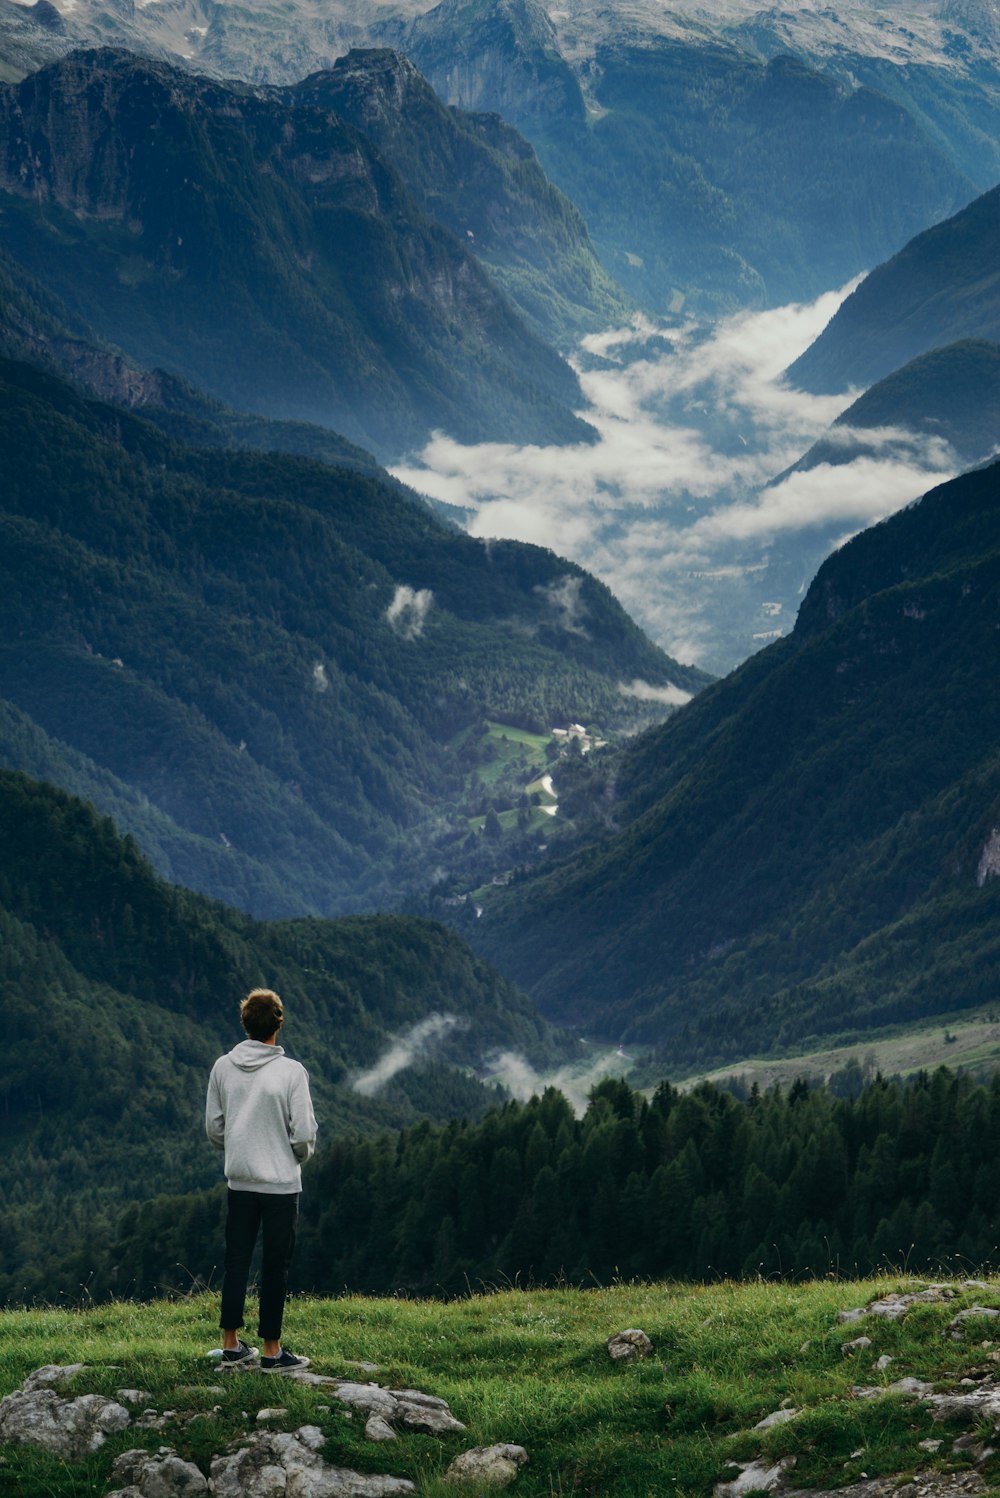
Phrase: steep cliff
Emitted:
{"points": [[265, 250]]}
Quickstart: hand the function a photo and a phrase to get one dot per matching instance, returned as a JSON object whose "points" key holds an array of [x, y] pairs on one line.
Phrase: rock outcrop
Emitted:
{"points": [[275, 1465], [37, 1415]]}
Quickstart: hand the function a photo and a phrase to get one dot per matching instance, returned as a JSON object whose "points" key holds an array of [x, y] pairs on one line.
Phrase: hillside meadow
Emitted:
{"points": [[531, 1367]]}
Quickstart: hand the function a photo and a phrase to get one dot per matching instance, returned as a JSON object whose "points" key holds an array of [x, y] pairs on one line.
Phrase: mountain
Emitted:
{"points": [[949, 396], [943, 286], [30, 37], [480, 179], [708, 176], [497, 55], [809, 849], [265, 251], [938, 60], [119, 991], [275, 656]]}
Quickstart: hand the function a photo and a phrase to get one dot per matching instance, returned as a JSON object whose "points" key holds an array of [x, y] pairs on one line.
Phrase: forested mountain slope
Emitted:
{"points": [[118, 991], [943, 286], [264, 250], [275, 653], [810, 847], [36, 326], [949, 395], [478, 177]]}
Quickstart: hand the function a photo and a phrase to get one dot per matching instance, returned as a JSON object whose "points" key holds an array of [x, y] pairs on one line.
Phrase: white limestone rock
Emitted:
{"points": [[163, 1475], [971, 1313], [491, 1466], [377, 1429], [762, 1475], [628, 1346], [777, 1418], [36, 1415], [410, 1408], [275, 1465]]}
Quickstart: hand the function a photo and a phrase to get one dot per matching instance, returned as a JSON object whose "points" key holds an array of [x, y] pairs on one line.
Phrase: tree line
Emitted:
{"points": [[693, 1185]]}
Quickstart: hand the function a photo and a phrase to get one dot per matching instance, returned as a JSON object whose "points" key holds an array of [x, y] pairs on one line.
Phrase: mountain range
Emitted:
{"points": [[477, 177], [223, 302], [721, 156], [942, 286]]}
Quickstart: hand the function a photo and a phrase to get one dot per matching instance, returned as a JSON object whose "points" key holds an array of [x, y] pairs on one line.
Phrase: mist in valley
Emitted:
{"points": [[684, 505]]}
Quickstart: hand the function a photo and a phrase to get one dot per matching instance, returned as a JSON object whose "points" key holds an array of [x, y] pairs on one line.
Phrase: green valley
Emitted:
{"points": [[239, 652]]}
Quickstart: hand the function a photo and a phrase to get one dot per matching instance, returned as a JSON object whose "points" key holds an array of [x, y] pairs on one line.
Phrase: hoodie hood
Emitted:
{"points": [[251, 1055]]}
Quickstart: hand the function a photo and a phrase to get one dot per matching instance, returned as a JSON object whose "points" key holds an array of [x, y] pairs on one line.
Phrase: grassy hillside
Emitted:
{"points": [[805, 849], [531, 1368]]}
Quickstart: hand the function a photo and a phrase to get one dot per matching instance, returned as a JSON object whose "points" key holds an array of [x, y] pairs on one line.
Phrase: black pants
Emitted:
{"points": [[248, 1212]]}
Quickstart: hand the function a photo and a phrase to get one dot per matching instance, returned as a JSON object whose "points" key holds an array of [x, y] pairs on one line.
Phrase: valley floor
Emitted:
{"points": [[532, 1368]]}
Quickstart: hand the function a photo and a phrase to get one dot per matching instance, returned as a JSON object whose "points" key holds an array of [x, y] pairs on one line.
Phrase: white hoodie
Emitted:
{"points": [[259, 1111]]}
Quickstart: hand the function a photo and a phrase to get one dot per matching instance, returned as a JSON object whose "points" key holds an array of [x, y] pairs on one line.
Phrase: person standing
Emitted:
{"points": [[259, 1112]]}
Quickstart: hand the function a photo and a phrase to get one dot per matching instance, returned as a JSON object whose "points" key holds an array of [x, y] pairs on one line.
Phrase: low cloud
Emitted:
{"points": [[645, 692], [563, 596], [412, 1045], [676, 507], [320, 680], [407, 613], [521, 1079]]}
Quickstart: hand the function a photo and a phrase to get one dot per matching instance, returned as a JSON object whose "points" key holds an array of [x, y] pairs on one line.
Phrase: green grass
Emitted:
{"points": [[954, 1040], [513, 746], [531, 1367]]}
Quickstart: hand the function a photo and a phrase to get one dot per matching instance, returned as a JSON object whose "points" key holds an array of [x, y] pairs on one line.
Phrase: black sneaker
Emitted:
{"points": [[234, 1356], [285, 1362]]}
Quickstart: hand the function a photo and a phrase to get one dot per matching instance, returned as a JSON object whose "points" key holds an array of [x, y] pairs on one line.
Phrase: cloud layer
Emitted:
{"points": [[675, 507], [407, 613], [418, 1041]]}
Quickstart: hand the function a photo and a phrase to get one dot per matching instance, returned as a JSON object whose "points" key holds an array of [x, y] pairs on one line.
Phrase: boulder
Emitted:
{"points": [[971, 1313], [141, 1474], [979, 1404], [410, 1408], [377, 1429], [492, 1466], [777, 1418], [36, 1415], [762, 1475], [629, 1345], [893, 1307], [909, 1388], [273, 1465]]}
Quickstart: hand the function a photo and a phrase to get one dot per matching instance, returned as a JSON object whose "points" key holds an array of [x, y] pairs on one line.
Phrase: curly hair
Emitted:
{"points": [[262, 1013]]}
